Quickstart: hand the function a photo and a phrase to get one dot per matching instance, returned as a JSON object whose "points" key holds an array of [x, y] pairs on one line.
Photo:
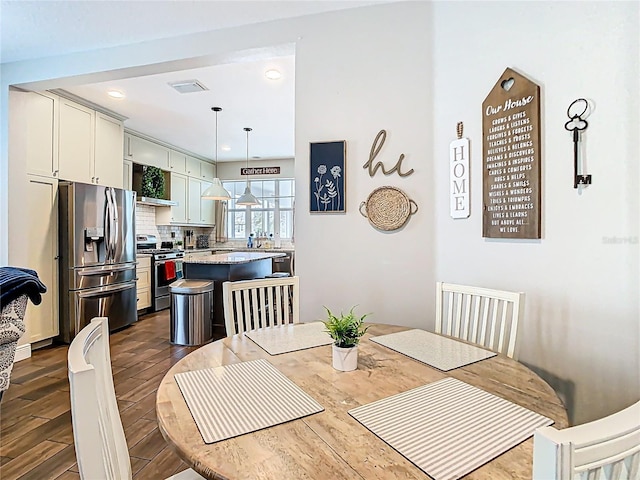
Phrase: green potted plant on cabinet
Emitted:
{"points": [[345, 330]]}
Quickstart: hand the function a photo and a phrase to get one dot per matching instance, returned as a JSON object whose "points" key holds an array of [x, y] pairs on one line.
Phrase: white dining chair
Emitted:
{"points": [[100, 444], [605, 449], [486, 317], [265, 302]]}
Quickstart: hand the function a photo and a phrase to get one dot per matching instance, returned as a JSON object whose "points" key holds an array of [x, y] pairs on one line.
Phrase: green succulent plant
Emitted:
{"points": [[345, 330]]}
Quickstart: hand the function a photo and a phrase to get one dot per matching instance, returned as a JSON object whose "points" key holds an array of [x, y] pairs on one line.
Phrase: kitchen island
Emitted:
{"points": [[224, 267]]}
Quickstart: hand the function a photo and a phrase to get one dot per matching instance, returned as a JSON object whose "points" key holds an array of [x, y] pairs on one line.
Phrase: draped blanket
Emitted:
{"points": [[17, 286], [15, 281]]}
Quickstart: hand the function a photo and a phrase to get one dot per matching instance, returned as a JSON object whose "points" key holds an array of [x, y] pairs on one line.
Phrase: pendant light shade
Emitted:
{"points": [[247, 198], [216, 191]]}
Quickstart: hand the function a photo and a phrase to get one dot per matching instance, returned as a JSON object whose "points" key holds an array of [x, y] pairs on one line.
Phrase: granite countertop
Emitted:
{"points": [[233, 258], [244, 249], [239, 249]]}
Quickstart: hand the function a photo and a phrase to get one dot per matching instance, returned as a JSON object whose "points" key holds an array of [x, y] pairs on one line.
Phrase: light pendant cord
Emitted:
{"points": [[247, 129], [216, 109]]}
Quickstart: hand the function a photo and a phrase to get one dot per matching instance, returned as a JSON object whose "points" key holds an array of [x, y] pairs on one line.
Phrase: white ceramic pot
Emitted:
{"points": [[345, 359]]}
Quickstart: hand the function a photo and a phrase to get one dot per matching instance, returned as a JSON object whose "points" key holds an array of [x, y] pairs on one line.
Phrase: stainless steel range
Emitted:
{"points": [[166, 267]]}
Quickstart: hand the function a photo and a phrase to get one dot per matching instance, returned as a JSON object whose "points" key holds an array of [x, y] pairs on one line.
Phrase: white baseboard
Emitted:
{"points": [[22, 352]]}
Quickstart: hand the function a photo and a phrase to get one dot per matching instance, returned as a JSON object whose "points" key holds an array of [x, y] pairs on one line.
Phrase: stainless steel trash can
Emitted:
{"points": [[191, 312]]}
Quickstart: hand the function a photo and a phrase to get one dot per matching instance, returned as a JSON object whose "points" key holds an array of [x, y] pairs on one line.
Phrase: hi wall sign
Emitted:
{"points": [[260, 171]]}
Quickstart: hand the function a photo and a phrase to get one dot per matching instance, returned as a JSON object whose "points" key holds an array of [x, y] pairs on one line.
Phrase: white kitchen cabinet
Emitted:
{"points": [[143, 151], [42, 237], [193, 167], [127, 175], [89, 145], [207, 171], [177, 162], [191, 208], [207, 207], [177, 214], [194, 201], [143, 284], [76, 141], [201, 211], [109, 139], [40, 119]]}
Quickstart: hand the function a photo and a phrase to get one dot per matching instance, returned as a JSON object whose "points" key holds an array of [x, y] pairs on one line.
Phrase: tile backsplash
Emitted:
{"points": [[146, 225]]}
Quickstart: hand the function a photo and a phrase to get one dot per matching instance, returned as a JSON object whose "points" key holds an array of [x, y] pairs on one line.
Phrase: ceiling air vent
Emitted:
{"points": [[188, 86]]}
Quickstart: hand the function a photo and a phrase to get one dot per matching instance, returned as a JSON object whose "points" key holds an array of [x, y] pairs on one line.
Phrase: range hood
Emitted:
{"points": [[156, 202]]}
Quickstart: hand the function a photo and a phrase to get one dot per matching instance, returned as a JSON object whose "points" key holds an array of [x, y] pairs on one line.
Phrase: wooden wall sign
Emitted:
{"points": [[511, 159], [260, 171]]}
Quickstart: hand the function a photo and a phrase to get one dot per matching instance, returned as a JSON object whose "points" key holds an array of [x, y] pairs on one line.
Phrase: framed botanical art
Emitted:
{"points": [[327, 177]]}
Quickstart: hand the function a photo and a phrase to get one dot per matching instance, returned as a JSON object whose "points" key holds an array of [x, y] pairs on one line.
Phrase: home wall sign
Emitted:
{"points": [[459, 175], [327, 175], [511, 159], [260, 171], [378, 142]]}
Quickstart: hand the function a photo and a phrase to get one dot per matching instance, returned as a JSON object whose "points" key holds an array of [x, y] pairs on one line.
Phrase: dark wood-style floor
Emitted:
{"points": [[36, 439]]}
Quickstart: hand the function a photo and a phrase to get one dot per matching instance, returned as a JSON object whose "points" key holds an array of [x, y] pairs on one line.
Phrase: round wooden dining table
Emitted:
{"points": [[331, 444]]}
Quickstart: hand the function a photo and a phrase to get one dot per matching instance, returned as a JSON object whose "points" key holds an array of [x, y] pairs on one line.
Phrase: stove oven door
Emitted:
{"points": [[165, 272]]}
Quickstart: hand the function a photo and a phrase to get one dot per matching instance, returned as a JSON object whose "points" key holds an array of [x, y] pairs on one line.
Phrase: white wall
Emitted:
{"points": [[415, 69], [582, 321], [372, 72]]}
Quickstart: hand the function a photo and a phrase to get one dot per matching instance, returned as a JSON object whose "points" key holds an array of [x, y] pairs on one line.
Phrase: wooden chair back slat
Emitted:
{"points": [[260, 303], [99, 440], [483, 316], [605, 449], [101, 447]]}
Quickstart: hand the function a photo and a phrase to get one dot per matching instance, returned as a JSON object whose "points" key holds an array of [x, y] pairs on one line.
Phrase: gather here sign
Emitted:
{"points": [[260, 171]]}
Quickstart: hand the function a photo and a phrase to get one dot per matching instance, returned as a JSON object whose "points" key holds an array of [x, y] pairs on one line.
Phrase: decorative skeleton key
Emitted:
{"points": [[577, 124]]}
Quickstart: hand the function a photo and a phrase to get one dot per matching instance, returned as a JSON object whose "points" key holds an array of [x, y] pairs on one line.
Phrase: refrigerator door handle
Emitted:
{"points": [[107, 226], [106, 290], [112, 222], [104, 271], [114, 219]]}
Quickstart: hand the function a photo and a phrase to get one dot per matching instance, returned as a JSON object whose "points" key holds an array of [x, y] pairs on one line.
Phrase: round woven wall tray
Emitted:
{"points": [[388, 208]]}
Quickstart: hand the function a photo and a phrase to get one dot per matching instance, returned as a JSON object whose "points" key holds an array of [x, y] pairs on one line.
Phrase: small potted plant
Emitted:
{"points": [[345, 330]]}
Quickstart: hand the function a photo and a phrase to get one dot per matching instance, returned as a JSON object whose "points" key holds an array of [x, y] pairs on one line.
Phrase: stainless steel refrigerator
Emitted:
{"points": [[97, 257]]}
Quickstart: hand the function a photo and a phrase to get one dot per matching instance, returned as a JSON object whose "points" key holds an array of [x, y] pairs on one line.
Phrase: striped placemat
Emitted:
{"points": [[244, 397], [441, 352], [289, 338], [449, 428]]}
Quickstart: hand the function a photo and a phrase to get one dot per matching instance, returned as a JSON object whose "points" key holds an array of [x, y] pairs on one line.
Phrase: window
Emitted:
{"points": [[274, 215]]}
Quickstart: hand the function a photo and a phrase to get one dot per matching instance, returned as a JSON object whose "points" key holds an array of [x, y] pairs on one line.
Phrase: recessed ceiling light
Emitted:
{"points": [[115, 94], [272, 74], [225, 148]]}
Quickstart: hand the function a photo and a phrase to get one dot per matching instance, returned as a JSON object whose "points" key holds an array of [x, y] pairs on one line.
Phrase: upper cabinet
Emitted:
{"points": [[177, 162], [109, 138], [191, 208], [76, 137], [68, 141], [193, 167], [41, 126], [207, 171], [142, 151]]}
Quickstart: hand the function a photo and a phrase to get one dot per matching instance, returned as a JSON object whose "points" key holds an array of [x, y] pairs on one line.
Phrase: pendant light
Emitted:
{"points": [[247, 197], [216, 191]]}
